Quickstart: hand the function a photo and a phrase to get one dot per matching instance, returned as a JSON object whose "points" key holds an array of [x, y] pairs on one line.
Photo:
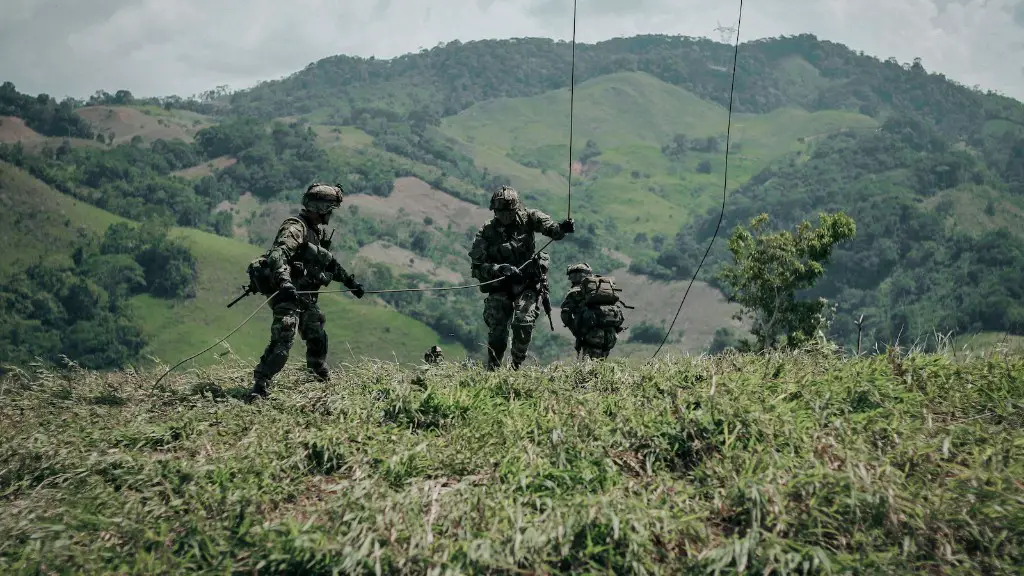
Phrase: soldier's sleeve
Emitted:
{"points": [[480, 268], [541, 223], [288, 240], [568, 309], [339, 274]]}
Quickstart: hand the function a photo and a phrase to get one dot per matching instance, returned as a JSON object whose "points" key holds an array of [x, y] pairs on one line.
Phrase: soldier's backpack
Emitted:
{"points": [[604, 307], [600, 291]]}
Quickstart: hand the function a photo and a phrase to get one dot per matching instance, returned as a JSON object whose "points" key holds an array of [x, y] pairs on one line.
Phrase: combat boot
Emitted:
{"points": [[259, 390], [320, 373]]}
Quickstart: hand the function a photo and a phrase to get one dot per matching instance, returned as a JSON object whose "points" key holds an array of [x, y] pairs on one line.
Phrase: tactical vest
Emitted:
{"points": [[305, 274], [516, 248]]}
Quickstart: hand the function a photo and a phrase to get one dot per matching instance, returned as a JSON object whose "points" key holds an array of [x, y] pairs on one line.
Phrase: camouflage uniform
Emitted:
{"points": [[595, 342], [433, 355], [507, 241], [299, 261]]}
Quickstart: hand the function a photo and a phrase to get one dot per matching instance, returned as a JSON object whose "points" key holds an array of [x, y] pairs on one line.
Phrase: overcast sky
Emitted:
{"points": [[162, 47]]}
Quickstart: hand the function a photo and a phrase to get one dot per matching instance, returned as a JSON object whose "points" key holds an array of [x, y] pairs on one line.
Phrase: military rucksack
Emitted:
{"points": [[599, 290], [603, 316], [261, 277], [603, 305]]}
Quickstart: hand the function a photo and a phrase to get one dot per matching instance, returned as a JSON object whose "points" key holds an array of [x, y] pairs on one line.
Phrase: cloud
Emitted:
{"points": [[159, 47]]}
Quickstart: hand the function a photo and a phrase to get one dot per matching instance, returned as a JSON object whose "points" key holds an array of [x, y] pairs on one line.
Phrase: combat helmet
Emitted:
{"points": [[322, 198], [505, 198], [581, 268]]}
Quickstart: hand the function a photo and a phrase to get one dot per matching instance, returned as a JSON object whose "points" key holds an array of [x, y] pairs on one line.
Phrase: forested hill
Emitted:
{"points": [[932, 171], [799, 71]]}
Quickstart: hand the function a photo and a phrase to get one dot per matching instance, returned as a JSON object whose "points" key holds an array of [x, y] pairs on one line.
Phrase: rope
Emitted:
{"points": [[237, 328], [572, 94], [388, 291], [725, 181], [572, 83]]}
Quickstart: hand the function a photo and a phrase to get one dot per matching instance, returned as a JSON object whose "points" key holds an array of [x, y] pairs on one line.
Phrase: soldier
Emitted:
{"points": [[433, 355], [299, 261], [503, 245], [595, 327]]}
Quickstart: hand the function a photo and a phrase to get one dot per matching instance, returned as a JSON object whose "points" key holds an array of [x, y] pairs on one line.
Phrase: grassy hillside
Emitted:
{"points": [[740, 464], [51, 220], [630, 116]]}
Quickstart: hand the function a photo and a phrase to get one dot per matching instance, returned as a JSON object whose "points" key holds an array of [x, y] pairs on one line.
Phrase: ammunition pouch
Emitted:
{"points": [[261, 279]]}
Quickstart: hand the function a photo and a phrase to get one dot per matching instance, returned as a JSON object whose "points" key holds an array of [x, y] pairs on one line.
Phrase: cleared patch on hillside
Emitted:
{"points": [[415, 199], [207, 169], [406, 260], [349, 136], [13, 129], [978, 208], [149, 123], [630, 116]]}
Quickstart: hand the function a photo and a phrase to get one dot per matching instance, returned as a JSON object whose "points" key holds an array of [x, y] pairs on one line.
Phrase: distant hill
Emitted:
{"points": [[420, 141]]}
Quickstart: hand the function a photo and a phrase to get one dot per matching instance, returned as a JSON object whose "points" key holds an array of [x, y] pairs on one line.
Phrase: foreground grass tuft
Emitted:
{"points": [[788, 464]]}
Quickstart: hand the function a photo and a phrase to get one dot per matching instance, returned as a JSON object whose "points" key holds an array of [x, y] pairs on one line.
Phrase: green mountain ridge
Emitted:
{"points": [[631, 116], [649, 129]]}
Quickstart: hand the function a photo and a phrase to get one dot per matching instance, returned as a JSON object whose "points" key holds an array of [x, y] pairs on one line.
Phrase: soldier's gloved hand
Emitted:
{"points": [[507, 270], [357, 290], [287, 291], [568, 226]]}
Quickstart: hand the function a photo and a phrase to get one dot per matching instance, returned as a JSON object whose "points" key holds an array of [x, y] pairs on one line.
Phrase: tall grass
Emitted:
{"points": [[803, 463]]}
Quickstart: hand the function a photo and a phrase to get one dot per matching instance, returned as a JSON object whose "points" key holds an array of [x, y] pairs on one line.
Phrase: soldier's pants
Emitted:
{"points": [[598, 343], [501, 311], [289, 316]]}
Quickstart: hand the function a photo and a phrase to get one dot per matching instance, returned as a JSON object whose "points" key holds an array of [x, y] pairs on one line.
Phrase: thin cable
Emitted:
{"points": [[572, 94], [237, 328], [725, 183], [389, 291]]}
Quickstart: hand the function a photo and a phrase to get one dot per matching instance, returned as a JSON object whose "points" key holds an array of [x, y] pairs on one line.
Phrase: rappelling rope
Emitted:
{"points": [[572, 94], [572, 83], [725, 181]]}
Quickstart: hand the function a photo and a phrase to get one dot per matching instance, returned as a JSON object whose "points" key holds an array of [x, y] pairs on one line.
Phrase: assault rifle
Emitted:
{"points": [[245, 292]]}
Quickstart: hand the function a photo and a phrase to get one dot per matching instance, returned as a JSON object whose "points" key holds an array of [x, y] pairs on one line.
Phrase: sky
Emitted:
{"points": [[183, 47]]}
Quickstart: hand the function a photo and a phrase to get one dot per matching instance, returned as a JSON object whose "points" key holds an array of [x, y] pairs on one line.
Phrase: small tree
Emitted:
{"points": [[768, 269]]}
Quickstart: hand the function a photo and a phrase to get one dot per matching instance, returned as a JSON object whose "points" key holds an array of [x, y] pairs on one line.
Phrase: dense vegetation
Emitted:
{"points": [[910, 269], [80, 310], [449, 78], [783, 464], [43, 114]]}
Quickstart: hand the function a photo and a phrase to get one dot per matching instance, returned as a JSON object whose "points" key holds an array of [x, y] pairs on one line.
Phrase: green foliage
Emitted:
{"points": [[769, 269], [44, 114], [286, 160], [785, 464], [82, 310], [130, 181], [647, 333], [910, 270], [408, 136]]}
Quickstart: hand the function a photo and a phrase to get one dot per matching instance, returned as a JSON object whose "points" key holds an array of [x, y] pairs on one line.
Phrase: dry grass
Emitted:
{"points": [[803, 463]]}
